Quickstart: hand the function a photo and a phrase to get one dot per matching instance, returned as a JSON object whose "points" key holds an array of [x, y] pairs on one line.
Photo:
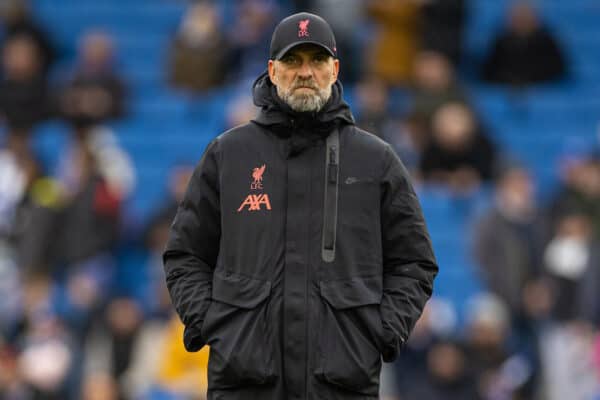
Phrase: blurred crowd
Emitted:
{"points": [[74, 324]]}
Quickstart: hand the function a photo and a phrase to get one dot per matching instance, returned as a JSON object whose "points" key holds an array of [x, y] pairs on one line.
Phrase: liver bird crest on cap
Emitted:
{"points": [[303, 26]]}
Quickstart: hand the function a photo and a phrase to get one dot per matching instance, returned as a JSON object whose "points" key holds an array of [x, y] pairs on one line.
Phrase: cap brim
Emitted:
{"points": [[287, 48]]}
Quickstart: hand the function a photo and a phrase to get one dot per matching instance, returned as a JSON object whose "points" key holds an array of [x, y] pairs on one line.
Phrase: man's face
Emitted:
{"points": [[304, 77]]}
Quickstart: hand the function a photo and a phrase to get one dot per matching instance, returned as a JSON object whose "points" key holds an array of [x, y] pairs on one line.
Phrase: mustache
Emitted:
{"points": [[305, 83]]}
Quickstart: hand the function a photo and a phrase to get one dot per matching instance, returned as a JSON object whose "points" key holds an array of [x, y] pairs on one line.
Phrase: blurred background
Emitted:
{"points": [[106, 106]]}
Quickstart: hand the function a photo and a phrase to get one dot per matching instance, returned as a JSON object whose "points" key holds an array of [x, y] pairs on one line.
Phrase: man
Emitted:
{"points": [[299, 253]]}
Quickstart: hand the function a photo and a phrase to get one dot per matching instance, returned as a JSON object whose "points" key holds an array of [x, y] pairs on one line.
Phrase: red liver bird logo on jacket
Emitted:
{"points": [[257, 174]]}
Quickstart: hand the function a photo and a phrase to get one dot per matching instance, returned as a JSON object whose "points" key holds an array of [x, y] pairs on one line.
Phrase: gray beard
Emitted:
{"points": [[305, 102]]}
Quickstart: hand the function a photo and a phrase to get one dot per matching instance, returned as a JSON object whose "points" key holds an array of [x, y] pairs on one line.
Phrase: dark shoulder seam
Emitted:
{"points": [[239, 128], [364, 132], [387, 159]]}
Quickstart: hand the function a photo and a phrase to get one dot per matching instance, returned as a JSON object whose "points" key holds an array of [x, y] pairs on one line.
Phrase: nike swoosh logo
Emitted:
{"points": [[351, 180]]}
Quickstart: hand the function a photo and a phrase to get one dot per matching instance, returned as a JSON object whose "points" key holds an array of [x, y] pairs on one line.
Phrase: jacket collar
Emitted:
{"points": [[283, 121]]}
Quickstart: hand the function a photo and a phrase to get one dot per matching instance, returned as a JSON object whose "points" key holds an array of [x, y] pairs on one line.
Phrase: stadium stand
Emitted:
{"points": [[164, 127], [537, 126]]}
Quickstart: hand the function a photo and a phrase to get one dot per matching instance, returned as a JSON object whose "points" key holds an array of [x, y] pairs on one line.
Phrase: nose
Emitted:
{"points": [[305, 70]]}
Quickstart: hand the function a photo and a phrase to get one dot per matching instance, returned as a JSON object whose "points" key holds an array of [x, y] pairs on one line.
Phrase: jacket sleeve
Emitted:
{"points": [[192, 248], [409, 265]]}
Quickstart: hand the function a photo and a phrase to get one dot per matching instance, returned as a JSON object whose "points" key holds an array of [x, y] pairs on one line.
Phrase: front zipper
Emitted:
{"points": [[330, 206]]}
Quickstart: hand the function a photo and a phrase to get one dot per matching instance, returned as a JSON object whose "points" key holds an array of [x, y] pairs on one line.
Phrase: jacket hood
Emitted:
{"points": [[279, 117]]}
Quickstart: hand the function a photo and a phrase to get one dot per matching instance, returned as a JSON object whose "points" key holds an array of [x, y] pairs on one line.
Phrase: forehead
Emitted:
{"points": [[306, 49]]}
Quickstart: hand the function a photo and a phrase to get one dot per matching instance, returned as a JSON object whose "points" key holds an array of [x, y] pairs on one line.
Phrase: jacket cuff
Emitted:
{"points": [[392, 345], [192, 340]]}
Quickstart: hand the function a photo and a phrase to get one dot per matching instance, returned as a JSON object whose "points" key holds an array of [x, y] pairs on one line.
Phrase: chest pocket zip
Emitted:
{"points": [[330, 205]]}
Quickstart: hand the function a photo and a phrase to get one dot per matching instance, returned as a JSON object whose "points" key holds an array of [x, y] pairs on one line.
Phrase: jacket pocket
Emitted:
{"points": [[350, 334], [237, 329]]}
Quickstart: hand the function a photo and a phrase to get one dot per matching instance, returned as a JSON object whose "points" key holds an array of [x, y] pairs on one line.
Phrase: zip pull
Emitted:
{"points": [[330, 203], [332, 171]]}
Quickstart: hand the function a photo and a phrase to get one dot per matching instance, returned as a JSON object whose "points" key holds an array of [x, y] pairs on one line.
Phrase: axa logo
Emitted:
{"points": [[255, 202], [303, 28]]}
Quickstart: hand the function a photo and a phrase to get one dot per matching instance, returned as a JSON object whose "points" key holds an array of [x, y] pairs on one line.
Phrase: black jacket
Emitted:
{"points": [[246, 268]]}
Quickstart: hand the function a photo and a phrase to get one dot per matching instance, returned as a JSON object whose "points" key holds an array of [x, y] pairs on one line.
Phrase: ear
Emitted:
{"points": [[336, 69], [271, 69]]}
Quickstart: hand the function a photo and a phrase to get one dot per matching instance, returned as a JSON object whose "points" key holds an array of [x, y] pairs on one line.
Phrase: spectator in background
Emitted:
{"points": [[30, 228], [435, 85], [508, 245], [24, 101], [155, 296], [372, 103], [568, 362], [580, 192], [250, 36], [395, 44], [28, 203], [123, 321], [95, 93], [372, 98], [413, 367], [199, 52], [572, 262], [412, 363], [96, 177], [45, 354], [86, 240], [47, 358], [17, 20], [17, 169], [508, 239], [158, 228], [443, 26], [458, 154], [501, 371], [408, 138], [110, 345], [525, 52], [161, 368], [448, 376], [24, 94], [95, 173], [181, 373], [572, 268]]}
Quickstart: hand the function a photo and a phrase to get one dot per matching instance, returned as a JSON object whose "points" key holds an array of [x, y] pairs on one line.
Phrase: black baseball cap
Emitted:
{"points": [[299, 29]]}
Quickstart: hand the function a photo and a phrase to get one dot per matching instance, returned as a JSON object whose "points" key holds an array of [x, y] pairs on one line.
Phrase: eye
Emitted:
{"points": [[320, 57], [290, 59]]}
